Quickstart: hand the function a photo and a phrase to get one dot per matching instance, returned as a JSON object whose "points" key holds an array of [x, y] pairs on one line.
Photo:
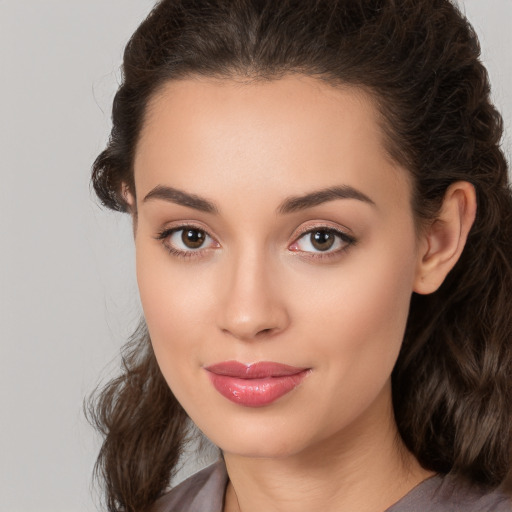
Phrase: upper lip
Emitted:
{"points": [[259, 370]]}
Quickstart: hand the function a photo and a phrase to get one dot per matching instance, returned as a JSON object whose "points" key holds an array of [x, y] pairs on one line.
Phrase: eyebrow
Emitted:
{"points": [[289, 205], [173, 195], [297, 203]]}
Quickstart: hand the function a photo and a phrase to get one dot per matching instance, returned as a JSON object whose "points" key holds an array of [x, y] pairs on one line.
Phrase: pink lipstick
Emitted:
{"points": [[257, 384]]}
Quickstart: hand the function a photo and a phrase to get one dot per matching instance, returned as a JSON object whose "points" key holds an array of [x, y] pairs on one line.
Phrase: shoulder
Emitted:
{"points": [[202, 492], [445, 494]]}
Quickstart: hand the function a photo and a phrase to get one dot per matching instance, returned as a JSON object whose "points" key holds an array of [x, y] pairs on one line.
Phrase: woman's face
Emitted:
{"points": [[273, 228]]}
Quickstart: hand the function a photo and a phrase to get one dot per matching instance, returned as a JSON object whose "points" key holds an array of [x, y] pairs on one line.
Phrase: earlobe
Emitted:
{"points": [[445, 238]]}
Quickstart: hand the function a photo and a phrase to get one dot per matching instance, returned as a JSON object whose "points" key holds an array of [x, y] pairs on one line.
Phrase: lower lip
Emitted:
{"points": [[255, 392]]}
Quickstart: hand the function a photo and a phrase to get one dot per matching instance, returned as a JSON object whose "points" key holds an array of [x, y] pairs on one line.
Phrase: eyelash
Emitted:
{"points": [[166, 233], [347, 240]]}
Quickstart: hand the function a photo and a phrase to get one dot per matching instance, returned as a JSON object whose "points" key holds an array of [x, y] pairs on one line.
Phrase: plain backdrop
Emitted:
{"points": [[67, 287]]}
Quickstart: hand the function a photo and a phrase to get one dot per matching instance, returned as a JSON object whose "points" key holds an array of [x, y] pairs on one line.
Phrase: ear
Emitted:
{"points": [[444, 239], [128, 196]]}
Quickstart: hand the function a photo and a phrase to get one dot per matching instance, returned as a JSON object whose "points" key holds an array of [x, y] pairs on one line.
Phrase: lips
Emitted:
{"points": [[254, 385]]}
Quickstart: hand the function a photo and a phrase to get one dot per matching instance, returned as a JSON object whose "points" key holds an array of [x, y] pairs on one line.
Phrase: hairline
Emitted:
{"points": [[249, 77]]}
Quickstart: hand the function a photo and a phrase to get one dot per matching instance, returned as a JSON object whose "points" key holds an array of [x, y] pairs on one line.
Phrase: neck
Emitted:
{"points": [[365, 468]]}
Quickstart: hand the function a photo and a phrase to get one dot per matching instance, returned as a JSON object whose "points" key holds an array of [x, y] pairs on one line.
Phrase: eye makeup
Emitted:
{"points": [[187, 241], [317, 242], [320, 241]]}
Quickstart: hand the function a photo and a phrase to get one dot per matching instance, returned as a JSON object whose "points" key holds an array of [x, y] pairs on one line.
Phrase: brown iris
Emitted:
{"points": [[322, 240], [193, 238]]}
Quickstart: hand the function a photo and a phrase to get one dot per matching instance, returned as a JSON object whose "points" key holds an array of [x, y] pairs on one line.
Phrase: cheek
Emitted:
{"points": [[175, 308], [380, 299], [369, 294], [179, 309], [356, 317], [353, 334]]}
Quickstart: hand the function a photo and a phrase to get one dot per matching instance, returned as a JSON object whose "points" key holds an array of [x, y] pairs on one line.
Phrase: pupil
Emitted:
{"points": [[192, 238], [322, 240]]}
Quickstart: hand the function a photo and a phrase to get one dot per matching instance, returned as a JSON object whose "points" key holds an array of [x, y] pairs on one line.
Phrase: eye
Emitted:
{"points": [[186, 240], [322, 240]]}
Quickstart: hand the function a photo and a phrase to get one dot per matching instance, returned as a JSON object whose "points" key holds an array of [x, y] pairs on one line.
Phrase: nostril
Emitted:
{"points": [[264, 332]]}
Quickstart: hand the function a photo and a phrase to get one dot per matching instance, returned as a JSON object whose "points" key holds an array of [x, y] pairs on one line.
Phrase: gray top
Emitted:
{"points": [[204, 492]]}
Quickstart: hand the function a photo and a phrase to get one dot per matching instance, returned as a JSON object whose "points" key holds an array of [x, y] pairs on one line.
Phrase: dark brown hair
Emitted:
{"points": [[420, 61]]}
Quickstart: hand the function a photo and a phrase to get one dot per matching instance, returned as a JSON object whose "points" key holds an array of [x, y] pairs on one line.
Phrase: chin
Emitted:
{"points": [[268, 439], [261, 450]]}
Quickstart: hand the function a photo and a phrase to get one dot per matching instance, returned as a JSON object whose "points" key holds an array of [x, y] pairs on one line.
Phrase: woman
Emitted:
{"points": [[322, 223]]}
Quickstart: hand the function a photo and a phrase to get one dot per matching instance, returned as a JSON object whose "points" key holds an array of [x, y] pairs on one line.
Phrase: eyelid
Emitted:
{"points": [[166, 232], [319, 225], [345, 234]]}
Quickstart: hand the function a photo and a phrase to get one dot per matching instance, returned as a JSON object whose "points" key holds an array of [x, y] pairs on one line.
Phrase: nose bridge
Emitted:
{"points": [[252, 304]]}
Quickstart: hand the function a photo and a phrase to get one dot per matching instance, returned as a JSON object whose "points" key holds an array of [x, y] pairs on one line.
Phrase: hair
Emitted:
{"points": [[419, 60]]}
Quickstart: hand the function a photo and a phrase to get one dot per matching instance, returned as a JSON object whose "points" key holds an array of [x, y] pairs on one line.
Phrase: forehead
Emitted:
{"points": [[289, 135]]}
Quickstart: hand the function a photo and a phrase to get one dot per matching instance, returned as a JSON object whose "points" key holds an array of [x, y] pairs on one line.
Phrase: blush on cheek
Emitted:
{"points": [[373, 318]]}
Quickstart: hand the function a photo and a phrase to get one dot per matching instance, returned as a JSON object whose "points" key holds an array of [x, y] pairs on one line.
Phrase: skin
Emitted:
{"points": [[258, 290]]}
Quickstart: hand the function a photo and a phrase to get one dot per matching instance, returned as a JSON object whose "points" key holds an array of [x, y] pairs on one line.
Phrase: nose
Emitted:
{"points": [[253, 304]]}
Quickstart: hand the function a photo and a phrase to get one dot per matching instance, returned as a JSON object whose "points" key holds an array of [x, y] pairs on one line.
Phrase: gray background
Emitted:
{"points": [[67, 288]]}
